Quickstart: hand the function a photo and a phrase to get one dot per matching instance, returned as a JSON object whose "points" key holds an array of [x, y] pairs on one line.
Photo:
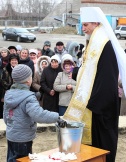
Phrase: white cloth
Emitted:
{"points": [[55, 157], [95, 14]]}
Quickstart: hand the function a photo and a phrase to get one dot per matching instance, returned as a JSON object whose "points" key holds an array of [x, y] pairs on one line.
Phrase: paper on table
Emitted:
{"points": [[57, 157]]}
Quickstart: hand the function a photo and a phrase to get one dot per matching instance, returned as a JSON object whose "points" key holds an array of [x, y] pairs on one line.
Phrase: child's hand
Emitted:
{"points": [[62, 123]]}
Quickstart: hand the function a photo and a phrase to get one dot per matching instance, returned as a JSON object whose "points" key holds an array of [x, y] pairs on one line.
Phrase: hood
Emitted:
{"points": [[68, 45], [16, 95], [73, 49], [40, 60]]}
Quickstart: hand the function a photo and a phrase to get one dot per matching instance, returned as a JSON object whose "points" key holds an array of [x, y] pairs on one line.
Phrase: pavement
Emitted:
{"points": [[51, 127]]}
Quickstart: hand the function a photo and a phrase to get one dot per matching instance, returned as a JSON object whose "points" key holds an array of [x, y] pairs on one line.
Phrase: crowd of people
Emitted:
{"points": [[36, 86], [49, 85]]}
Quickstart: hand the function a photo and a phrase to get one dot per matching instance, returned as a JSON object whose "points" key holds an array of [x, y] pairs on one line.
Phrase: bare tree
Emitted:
{"points": [[33, 8], [2, 4]]}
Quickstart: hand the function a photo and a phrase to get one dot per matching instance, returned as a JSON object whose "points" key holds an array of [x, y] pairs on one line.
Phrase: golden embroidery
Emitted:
{"points": [[77, 110], [93, 53]]}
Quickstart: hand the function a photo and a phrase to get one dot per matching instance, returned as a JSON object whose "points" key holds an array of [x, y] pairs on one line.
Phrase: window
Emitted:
{"points": [[123, 28]]}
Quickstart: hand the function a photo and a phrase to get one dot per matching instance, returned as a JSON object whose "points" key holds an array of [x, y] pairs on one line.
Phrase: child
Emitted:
{"points": [[21, 112]]}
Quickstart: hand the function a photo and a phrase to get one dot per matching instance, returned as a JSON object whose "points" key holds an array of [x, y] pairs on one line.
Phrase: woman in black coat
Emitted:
{"points": [[50, 97], [5, 78]]}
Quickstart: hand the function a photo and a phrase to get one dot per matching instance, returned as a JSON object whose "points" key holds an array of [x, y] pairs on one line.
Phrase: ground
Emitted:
{"points": [[48, 140], [53, 38]]}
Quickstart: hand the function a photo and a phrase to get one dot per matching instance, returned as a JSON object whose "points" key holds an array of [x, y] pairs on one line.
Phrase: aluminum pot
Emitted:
{"points": [[69, 138]]}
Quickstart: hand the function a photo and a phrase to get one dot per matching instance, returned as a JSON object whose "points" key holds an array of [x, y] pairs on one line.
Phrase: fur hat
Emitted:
{"points": [[67, 57], [56, 57], [21, 73], [44, 61], [40, 60]]}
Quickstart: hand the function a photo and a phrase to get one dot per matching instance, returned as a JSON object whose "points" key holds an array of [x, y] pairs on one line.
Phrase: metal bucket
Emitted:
{"points": [[69, 138]]}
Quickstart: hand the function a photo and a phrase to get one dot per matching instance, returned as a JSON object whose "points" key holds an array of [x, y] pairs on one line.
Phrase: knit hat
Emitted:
{"points": [[21, 73], [56, 57], [47, 43]]}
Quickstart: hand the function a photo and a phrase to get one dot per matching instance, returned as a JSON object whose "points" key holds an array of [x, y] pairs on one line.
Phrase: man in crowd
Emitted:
{"points": [[12, 49], [60, 49], [46, 49]]}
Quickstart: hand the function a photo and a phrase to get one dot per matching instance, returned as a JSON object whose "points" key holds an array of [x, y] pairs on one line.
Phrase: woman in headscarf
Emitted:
{"points": [[64, 84], [49, 74]]}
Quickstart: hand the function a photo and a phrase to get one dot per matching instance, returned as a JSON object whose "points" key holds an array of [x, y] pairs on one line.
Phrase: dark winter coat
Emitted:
{"points": [[1, 73], [47, 52], [5, 61], [6, 79], [29, 63], [47, 80]]}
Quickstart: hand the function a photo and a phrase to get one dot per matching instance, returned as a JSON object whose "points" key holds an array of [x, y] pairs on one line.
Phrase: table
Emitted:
{"points": [[87, 154]]}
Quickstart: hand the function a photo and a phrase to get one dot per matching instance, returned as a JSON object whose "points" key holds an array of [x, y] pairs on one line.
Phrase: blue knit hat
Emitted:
{"points": [[21, 73]]}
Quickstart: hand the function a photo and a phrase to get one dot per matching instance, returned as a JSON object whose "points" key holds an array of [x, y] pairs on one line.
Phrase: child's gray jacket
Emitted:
{"points": [[22, 111]]}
